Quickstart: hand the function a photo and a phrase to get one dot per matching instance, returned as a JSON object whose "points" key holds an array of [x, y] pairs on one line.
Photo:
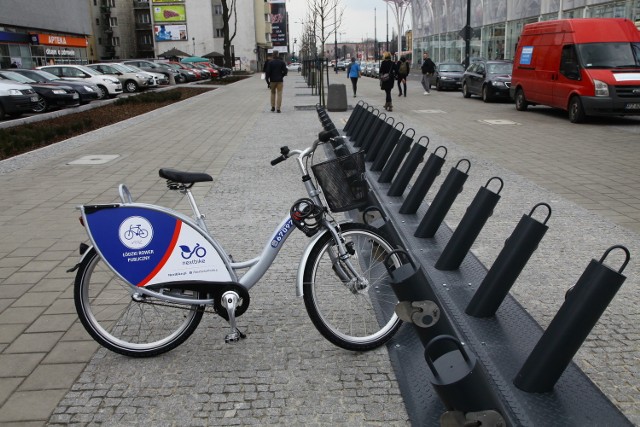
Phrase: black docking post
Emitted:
{"points": [[424, 181], [480, 209], [370, 135], [508, 265], [379, 138], [387, 147], [397, 156], [353, 117], [366, 122], [583, 306], [442, 202], [414, 158]]}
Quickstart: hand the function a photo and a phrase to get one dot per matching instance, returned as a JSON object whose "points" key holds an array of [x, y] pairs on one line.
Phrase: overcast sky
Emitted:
{"points": [[357, 20]]}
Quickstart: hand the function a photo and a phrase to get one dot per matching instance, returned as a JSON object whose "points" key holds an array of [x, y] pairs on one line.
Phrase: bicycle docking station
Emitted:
{"points": [[473, 355]]}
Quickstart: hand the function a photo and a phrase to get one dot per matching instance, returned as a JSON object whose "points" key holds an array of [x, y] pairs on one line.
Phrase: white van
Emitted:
{"points": [[108, 85]]}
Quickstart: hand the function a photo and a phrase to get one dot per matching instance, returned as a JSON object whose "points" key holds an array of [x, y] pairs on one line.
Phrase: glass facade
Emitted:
{"points": [[497, 24]]}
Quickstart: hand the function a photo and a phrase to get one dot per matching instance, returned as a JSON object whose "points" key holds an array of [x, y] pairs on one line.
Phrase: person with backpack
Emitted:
{"points": [[354, 72], [403, 72]]}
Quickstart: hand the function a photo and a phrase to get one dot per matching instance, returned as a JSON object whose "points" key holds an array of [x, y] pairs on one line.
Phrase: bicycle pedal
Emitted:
{"points": [[234, 337]]}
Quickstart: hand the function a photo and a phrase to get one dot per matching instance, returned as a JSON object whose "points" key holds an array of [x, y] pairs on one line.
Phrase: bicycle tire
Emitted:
{"points": [[357, 320], [107, 310]]}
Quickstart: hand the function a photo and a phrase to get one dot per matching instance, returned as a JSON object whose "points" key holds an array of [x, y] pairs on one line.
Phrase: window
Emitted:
{"points": [[217, 9], [113, 22], [111, 3], [569, 63], [115, 41], [146, 39], [98, 21], [144, 18], [219, 32]]}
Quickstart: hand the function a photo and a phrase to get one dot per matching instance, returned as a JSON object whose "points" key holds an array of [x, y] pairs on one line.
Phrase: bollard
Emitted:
{"points": [[353, 117], [583, 306], [424, 181], [387, 147], [376, 125], [508, 265], [402, 148], [378, 139], [367, 119], [457, 377], [449, 190], [480, 209], [414, 158]]}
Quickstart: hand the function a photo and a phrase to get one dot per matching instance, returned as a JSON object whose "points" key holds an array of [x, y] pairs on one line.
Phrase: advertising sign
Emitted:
{"points": [[173, 13], [51, 40], [525, 56], [146, 247], [278, 25], [170, 32]]}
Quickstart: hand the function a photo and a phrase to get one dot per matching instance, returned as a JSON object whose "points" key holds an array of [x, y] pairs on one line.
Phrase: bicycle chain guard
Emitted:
{"points": [[306, 216]]}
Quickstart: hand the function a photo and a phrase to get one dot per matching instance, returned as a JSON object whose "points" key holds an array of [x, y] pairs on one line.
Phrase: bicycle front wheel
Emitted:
{"points": [[352, 312], [125, 322]]}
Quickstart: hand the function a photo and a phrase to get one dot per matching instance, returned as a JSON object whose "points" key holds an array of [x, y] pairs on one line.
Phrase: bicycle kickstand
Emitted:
{"points": [[230, 302]]}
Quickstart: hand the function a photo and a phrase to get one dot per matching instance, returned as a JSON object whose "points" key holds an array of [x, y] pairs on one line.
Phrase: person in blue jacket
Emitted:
{"points": [[354, 72]]}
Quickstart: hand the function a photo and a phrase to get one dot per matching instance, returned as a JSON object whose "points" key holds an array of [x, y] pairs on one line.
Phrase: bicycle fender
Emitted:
{"points": [[303, 263], [84, 250]]}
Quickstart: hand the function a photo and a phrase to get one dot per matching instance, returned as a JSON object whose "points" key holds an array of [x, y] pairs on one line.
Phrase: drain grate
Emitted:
{"points": [[94, 159]]}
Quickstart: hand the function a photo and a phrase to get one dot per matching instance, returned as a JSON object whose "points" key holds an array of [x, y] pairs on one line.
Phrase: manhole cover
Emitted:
{"points": [[94, 159], [430, 111], [498, 122]]}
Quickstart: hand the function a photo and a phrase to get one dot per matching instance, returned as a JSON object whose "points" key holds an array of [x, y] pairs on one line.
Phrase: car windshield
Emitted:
{"points": [[130, 68], [609, 55], [120, 68], [44, 74], [501, 68], [452, 68], [12, 75]]}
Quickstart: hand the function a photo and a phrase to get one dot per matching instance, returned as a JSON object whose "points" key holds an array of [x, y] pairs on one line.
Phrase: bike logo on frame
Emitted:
{"points": [[135, 232], [198, 251]]}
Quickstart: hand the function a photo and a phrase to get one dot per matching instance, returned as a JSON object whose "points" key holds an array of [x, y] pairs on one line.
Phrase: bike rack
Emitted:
{"points": [[537, 391]]}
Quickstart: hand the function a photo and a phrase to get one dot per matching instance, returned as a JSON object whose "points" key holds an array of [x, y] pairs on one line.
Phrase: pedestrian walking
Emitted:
{"points": [[403, 72], [388, 73], [264, 72], [275, 72], [428, 68], [354, 73]]}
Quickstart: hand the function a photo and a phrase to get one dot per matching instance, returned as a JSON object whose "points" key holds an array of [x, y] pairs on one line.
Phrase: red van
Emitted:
{"points": [[588, 67]]}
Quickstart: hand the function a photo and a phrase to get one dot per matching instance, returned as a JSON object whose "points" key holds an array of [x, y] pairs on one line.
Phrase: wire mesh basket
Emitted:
{"points": [[343, 182]]}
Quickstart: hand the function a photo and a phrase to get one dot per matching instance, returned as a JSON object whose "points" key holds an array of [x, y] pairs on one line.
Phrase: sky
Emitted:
{"points": [[359, 20]]}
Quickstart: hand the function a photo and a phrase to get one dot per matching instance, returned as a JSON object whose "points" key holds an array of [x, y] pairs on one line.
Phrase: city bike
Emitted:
{"points": [[144, 293]]}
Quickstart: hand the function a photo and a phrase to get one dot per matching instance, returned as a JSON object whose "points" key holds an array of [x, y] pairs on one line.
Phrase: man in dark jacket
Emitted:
{"points": [[275, 72], [428, 68]]}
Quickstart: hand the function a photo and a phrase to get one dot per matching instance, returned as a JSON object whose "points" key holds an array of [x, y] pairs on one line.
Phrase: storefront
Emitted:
{"points": [[31, 49], [497, 24]]}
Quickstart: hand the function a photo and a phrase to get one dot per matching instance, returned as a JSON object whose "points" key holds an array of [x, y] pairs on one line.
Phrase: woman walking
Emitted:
{"points": [[388, 74], [354, 73]]}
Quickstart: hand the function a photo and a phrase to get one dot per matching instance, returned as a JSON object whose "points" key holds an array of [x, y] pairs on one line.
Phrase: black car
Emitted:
{"points": [[88, 91], [488, 79], [16, 99], [222, 71], [448, 75], [49, 95]]}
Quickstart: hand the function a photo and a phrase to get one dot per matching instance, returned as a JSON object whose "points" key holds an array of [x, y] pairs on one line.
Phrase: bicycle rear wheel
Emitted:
{"points": [[354, 316], [133, 325]]}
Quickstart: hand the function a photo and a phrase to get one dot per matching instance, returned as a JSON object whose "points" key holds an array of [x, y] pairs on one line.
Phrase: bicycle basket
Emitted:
{"points": [[343, 182]]}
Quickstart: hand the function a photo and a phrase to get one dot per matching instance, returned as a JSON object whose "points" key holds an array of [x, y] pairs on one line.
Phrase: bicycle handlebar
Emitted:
{"points": [[277, 160]]}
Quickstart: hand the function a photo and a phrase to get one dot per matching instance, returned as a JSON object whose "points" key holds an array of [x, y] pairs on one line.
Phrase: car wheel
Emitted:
{"points": [[486, 94], [41, 106], [465, 90], [576, 112], [521, 102], [130, 86], [102, 92]]}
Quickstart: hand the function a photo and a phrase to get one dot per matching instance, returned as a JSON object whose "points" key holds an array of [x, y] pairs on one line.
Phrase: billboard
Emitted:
{"points": [[171, 13], [170, 32], [278, 25]]}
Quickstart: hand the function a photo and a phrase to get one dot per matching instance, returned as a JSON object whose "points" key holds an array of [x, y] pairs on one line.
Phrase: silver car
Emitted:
{"points": [[131, 81], [158, 79]]}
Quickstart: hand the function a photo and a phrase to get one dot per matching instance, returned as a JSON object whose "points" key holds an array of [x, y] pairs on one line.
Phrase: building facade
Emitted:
{"points": [[497, 24]]}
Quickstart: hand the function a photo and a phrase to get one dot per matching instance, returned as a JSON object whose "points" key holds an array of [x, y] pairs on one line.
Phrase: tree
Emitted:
{"points": [[228, 12]]}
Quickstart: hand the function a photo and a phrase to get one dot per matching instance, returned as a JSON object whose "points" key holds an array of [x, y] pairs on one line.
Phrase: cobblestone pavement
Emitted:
{"points": [[284, 373]]}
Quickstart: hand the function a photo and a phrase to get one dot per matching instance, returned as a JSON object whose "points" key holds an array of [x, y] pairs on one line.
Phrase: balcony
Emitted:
{"points": [[105, 10], [139, 4], [143, 25]]}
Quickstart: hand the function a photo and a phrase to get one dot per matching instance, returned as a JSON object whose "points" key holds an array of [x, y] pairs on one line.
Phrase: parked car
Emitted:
{"points": [[88, 91], [224, 71], [200, 73], [155, 67], [448, 75], [375, 70], [108, 86], [367, 69], [189, 74], [158, 78], [16, 99], [131, 81], [211, 73], [488, 79], [294, 66], [341, 66], [49, 95]]}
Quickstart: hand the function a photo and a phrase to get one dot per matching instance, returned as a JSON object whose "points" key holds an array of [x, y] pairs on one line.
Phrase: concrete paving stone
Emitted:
{"points": [[76, 332], [20, 277], [54, 376], [53, 285], [15, 261], [7, 272], [30, 343], [14, 291], [20, 315], [52, 323], [62, 306], [19, 365], [39, 265], [26, 252], [36, 299], [72, 351], [34, 405], [7, 387], [8, 333]]}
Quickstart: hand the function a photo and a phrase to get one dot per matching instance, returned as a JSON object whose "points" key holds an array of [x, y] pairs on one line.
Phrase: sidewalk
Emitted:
{"points": [[284, 373]]}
